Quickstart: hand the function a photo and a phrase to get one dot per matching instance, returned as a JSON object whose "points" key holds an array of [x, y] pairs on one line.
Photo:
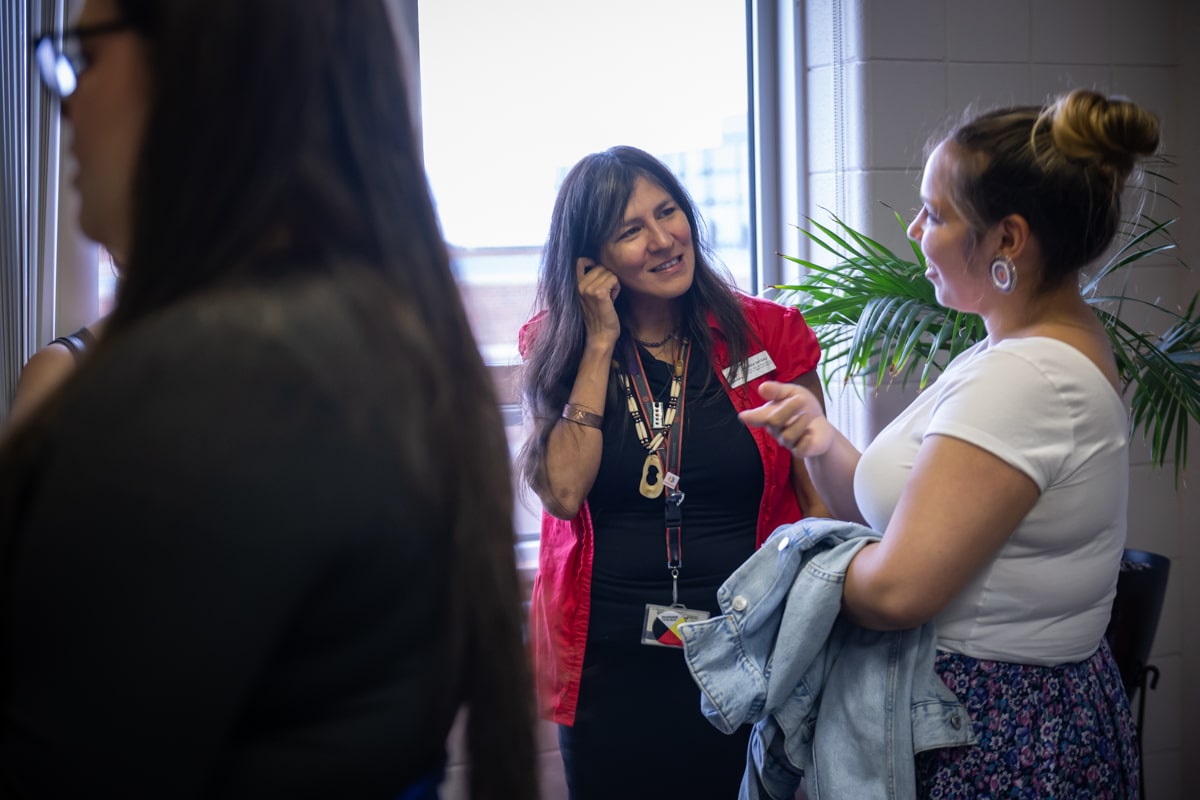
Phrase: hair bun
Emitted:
{"points": [[1086, 125]]}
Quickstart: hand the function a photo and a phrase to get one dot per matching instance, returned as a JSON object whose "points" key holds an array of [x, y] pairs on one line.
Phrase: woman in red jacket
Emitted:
{"points": [[654, 493]]}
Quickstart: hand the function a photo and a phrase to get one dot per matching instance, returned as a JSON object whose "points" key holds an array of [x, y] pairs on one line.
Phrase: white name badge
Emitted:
{"points": [[758, 365]]}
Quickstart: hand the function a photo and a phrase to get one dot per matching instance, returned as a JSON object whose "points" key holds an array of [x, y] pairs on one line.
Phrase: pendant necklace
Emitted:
{"points": [[654, 474]]}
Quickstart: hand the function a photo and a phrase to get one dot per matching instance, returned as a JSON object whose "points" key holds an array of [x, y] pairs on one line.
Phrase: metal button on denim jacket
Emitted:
{"points": [[845, 705]]}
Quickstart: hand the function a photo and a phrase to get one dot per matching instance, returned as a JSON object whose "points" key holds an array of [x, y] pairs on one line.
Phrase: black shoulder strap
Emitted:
{"points": [[77, 342]]}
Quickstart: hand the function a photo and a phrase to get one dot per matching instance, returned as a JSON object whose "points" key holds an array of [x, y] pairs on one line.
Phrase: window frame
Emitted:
{"points": [[773, 36], [773, 39]]}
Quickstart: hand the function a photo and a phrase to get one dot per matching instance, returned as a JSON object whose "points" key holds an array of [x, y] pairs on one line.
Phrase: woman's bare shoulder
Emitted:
{"points": [[42, 374]]}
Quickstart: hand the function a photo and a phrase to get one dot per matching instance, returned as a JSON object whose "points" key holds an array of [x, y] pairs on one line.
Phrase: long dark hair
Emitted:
{"points": [[281, 142], [590, 205], [1061, 166]]}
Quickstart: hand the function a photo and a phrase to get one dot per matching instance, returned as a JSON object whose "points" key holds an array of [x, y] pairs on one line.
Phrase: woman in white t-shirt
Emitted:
{"points": [[1001, 491]]}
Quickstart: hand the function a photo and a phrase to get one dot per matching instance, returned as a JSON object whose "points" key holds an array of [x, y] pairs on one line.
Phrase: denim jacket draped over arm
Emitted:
{"points": [[846, 706]]}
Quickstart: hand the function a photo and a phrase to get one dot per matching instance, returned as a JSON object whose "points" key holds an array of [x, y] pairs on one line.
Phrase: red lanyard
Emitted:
{"points": [[672, 458]]}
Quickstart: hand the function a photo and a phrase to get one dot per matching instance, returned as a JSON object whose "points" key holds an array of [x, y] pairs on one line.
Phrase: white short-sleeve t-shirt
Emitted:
{"points": [[1043, 407]]}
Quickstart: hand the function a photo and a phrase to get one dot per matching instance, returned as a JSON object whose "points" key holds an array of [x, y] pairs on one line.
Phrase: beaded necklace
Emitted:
{"points": [[653, 473], [653, 345]]}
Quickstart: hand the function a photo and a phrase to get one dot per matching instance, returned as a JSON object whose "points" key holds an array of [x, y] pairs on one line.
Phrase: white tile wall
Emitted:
{"points": [[1155, 283], [818, 32], [906, 100], [854, 101], [888, 399], [1048, 80], [852, 17], [912, 64], [1139, 447], [1153, 510], [915, 29], [823, 193], [1168, 639], [822, 196], [1143, 32], [988, 30], [1163, 770], [980, 87], [819, 114], [881, 194], [1071, 31], [1163, 705]]}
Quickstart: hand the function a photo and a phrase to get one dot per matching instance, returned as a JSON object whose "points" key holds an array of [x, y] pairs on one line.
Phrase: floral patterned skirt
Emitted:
{"points": [[1062, 732]]}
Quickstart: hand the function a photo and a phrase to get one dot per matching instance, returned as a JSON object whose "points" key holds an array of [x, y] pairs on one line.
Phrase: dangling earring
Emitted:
{"points": [[1004, 274]]}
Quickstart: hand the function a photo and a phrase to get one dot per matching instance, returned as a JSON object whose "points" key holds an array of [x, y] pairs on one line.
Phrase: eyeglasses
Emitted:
{"points": [[60, 66]]}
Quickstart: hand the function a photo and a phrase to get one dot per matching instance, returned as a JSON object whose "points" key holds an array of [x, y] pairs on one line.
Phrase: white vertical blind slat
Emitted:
{"points": [[29, 150]]}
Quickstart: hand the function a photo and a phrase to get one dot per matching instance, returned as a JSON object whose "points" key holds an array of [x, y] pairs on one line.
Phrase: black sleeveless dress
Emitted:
{"points": [[638, 730]]}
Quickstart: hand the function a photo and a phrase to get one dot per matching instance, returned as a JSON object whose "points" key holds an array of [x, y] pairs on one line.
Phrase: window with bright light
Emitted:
{"points": [[106, 282], [513, 94]]}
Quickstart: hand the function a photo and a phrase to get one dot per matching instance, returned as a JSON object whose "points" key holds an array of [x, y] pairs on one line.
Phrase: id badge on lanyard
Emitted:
{"points": [[660, 623]]}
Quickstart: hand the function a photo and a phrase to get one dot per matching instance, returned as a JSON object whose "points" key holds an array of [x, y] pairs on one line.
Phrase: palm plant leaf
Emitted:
{"points": [[1133, 250], [875, 313]]}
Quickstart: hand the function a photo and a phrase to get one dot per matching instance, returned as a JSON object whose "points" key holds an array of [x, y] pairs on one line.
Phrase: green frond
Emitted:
{"points": [[876, 314], [1135, 249]]}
